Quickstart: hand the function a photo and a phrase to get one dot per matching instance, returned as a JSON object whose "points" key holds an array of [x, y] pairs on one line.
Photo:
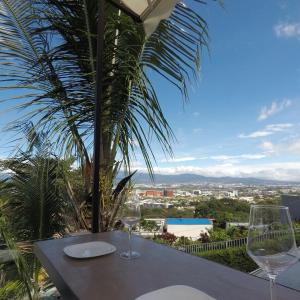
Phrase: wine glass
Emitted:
{"points": [[130, 215], [271, 240]]}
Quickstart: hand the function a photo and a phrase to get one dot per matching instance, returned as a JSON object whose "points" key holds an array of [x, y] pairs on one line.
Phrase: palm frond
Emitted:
{"points": [[48, 51], [66, 71], [25, 285], [35, 204], [174, 50]]}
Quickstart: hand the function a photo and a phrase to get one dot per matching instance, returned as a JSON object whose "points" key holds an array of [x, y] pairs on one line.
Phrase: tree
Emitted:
{"points": [[149, 225], [34, 199], [48, 54], [34, 205], [218, 234], [27, 266], [237, 232], [223, 210]]}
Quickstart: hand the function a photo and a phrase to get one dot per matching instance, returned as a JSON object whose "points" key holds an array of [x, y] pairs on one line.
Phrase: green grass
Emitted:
{"points": [[236, 258]]}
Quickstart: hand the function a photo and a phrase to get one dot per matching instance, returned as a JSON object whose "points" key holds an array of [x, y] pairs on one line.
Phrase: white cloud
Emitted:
{"points": [[278, 171], [253, 156], [227, 158], [278, 127], [237, 157], [268, 130], [255, 134], [291, 146], [287, 30], [275, 108], [268, 146], [137, 164], [179, 159], [222, 157], [294, 147]]}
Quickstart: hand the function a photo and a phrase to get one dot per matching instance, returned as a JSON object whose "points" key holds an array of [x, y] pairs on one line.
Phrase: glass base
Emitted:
{"points": [[127, 255]]}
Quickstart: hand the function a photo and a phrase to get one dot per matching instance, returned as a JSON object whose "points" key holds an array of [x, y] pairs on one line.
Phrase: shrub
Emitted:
{"points": [[236, 258], [149, 225], [166, 238], [183, 241]]}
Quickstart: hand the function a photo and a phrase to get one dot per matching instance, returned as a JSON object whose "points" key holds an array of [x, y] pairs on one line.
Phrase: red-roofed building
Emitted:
{"points": [[154, 193]]}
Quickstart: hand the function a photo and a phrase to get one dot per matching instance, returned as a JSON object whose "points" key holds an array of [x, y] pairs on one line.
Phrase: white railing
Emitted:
{"points": [[201, 247]]}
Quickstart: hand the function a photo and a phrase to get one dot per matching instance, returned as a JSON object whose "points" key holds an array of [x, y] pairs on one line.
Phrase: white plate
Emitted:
{"points": [[176, 292], [91, 249]]}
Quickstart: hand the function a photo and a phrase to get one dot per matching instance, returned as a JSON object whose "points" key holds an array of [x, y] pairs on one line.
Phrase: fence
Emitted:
{"points": [[201, 247]]}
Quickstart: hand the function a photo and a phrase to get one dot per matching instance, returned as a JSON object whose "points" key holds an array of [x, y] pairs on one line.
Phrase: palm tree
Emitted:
{"points": [[26, 284], [34, 199], [48, 53], [34, 205]]}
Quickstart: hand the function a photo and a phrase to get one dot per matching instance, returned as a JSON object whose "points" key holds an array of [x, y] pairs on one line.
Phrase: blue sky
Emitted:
{"points": [[243, 118]]}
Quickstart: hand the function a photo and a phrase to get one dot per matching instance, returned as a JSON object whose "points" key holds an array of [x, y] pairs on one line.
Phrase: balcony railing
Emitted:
{"points": [[201, 247]]}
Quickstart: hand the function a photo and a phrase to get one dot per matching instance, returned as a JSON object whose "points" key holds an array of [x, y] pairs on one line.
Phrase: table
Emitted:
{"points": [[112, 278], [290, 278]]}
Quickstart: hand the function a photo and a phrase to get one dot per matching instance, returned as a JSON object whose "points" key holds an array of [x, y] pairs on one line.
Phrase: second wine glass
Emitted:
{"points": [[130, 215], [271, 240]]}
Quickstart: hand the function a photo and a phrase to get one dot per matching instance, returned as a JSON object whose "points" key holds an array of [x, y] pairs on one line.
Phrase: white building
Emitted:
{"points": [[207, 193], [182, 193], [188, 227], [197, 192], [232, 194], [249, 199], [150, 203]]}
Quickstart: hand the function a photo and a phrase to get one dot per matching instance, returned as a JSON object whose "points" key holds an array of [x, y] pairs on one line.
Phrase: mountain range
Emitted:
{"points": [[185, 179], [143, 178]]}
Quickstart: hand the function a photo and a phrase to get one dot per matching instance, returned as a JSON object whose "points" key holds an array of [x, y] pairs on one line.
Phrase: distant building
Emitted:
{"points": [[188, 227], [231, 194], [150, 203], [249, 199], [140, 194], [154, 193], [207, 193], [197, 192], [293, 203], [168, 193], [183, 193]]}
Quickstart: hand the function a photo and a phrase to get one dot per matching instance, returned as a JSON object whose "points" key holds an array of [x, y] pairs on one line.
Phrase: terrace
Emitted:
{"points": [[110, 277], [88, 87]]}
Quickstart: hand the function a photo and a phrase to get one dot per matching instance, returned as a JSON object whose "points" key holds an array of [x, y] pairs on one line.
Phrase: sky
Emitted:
{"points": [[243, 116]]}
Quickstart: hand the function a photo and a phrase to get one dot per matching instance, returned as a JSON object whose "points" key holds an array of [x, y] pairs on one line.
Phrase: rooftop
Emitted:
{"points": [[188, 221]]}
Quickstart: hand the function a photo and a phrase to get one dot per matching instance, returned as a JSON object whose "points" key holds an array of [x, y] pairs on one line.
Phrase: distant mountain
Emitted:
{"points": [[143, 178], [186, 179]]}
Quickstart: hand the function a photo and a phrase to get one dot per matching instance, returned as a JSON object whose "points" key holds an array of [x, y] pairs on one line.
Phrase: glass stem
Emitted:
{"points": [[272, 279], [129, 236]]}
